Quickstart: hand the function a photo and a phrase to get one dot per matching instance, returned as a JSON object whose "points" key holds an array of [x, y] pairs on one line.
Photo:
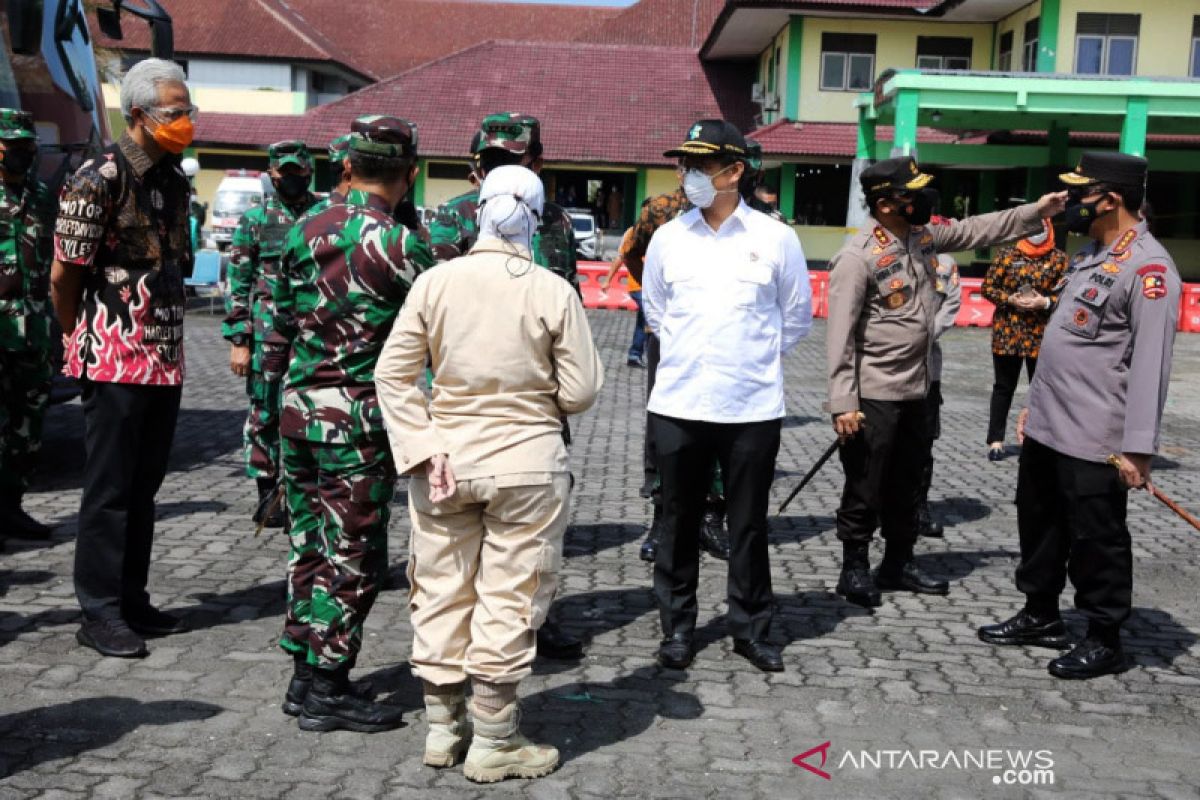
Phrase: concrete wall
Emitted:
{"points": [[1164, 41], [231, 101], [659, 181], [895, 47]]}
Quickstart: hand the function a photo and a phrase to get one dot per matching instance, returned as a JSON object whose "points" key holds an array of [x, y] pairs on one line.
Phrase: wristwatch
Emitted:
{"points": [[240, 340]]}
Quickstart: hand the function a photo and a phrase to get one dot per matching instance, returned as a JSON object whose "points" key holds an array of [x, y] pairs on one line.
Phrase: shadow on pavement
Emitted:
{"points": [[592, 538], [185, 507], [801, 616], [28, 577], [254, 602], [797, 528], [29, 738], [957, 510], [1154, 639], [955, 565]]}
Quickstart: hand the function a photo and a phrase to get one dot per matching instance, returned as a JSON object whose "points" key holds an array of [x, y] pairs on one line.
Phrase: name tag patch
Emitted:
{"points": [[1104, 280]]}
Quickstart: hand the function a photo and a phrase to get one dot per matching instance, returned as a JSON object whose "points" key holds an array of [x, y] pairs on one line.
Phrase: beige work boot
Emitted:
{"points": [[449, 729], [499, 751]]}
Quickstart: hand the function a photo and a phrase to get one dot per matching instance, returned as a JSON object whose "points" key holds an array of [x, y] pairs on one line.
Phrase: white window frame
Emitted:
{"points": [[844, 85], [1105, 39], [1195, 65], [942, 62], [1029, 55]]}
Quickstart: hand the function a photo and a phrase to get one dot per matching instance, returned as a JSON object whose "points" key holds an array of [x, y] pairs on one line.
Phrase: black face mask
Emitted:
{"points": [[292, 186], [1079, 216], [918, 210], [18, 162], [406, 214]]}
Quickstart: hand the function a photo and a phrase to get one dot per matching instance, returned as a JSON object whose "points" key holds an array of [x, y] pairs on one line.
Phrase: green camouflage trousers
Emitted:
{"points": [[261, 432], [338, 499], [24, 395]]}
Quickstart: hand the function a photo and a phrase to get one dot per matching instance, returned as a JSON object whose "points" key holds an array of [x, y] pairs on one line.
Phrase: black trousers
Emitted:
{"points": [[1071, 520], [933, 431], [746, 452], [1007, 371], [883, 466], [127, 439], [649, 464]]}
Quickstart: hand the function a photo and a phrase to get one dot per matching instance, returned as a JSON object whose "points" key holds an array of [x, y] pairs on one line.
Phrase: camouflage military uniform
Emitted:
{"points": [[24, 318], [254, 257], [343, 279]]}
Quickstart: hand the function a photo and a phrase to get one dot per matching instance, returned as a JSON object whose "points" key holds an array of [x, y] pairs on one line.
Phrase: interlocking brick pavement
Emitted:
{"points": [[200, 716]]}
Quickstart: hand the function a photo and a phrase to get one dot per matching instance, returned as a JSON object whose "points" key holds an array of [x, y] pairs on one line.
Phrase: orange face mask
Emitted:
{"points": [[176, 135]]}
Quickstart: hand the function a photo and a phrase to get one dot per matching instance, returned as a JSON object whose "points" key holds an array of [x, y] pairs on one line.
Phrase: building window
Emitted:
{"points": [[1195, 71], [1106, 44], [847, 62], [943, 52], [1030, 48], [1004, 63]]}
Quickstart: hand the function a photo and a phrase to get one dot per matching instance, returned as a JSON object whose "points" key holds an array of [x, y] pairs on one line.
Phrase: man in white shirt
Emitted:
{"points": [[726, 290]]}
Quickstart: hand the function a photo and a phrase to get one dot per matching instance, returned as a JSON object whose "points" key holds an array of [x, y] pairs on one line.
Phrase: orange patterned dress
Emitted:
{"points": [[1016, 332]]}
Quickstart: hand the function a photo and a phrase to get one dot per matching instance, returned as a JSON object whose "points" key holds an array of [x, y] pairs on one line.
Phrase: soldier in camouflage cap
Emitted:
{"points": [[24, 319], [506, 138], [253, 268], [343, 279]]}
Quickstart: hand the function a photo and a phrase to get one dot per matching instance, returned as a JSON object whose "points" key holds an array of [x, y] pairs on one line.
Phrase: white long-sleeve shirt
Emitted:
{"points": [[726, 305]]}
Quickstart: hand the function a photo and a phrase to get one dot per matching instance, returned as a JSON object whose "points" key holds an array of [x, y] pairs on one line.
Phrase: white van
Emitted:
{"points": [[238, 191]]}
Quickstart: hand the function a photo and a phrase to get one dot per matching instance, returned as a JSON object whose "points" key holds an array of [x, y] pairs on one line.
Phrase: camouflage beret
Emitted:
{"points": [[16, 124], [509, 131], [338, 147], [290, 151], [379, 135]]}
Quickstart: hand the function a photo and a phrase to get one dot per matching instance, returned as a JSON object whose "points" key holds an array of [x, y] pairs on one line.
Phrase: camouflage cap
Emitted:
{"points": [[379, 135], [290, 151], [753, 156], [338, 147], [509, 131], [16, 124]]}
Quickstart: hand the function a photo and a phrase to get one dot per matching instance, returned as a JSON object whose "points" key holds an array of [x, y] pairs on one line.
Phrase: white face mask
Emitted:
{"points": [[699, 187]]}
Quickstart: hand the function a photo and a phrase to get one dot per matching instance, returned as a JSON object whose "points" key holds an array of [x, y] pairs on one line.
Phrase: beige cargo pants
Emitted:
{"points": [[483, 569]]}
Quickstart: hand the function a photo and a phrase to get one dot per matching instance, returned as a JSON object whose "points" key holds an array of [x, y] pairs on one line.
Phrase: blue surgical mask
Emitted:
{"points": [[699, 187]]}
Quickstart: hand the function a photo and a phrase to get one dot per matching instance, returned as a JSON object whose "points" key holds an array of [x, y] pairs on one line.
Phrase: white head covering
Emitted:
{"points": [[1038, 239], [510, 203]]}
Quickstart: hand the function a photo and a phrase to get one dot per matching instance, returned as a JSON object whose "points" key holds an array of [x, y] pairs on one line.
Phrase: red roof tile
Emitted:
{"points": [[666, 23], [787, 138], [606, 113], [380, 40]]}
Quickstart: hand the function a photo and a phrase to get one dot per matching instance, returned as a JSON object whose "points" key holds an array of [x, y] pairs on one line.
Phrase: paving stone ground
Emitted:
{"points": [[200, 717]]}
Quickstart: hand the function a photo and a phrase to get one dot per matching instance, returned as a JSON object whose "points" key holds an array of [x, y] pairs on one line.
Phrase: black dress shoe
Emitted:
{"points": [[1091, 658], [149, 621], [675, 651], [909, 578], [1026, 628], [760, 653], [111, 637], [858, 587], [927, 526], [332, 704], [17, 524], [554, 642], [714, 539], [648, 486], [649, 549], [996, 454]]}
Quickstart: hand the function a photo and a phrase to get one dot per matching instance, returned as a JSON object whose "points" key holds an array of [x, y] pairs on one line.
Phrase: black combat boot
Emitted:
{"points": [[926, 525], [714, 538], [298, 686], [16, 523], [554, 642], [855, 583], [899, 573], [649, 550], [277, 516], [331, 704]]}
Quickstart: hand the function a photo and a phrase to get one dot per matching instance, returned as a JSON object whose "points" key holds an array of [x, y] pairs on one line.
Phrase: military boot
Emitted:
{"points": [[333, 705], [714, 538], [855, 583], [298, 686], [449, 729], [16, 523], [499, 751]]}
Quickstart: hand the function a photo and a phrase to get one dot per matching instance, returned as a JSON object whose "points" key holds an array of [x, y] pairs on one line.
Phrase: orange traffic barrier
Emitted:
{"points": [[820, 293], [1189, 308], [594, 296]]}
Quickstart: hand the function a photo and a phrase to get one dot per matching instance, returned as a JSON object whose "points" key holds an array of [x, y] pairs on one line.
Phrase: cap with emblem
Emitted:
{"points": [[509, 131], [16, 124], [1100, 167], [338, 147], [711, 137], [291, 151], [379, 135], [893, 173]]}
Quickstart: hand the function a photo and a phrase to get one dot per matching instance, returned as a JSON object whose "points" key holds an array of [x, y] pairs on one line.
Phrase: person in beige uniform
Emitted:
{"points": [[512, 354], [883, 304]]}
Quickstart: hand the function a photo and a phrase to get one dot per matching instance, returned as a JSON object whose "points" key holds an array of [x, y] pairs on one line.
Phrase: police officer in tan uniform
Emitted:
{"points": [[883, 303], [1092, 425], [949, 296]]}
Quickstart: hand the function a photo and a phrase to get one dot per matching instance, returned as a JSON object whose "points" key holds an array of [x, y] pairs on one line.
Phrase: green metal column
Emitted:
{"points": [[791, 104], [904, 142], [987, 191], [1187, 226], [641, 186], [787, 191], [865, 146], [419, 186], [1035, 183], [1059, 139], [1047, 53], [1133, 129]]}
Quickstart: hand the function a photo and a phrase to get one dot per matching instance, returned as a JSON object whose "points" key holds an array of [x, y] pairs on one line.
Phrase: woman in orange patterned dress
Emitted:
{"points": [[1022, 283]]}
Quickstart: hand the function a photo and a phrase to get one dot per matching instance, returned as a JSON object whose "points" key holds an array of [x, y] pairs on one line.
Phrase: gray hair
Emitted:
{"points": [[140, 85]]}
